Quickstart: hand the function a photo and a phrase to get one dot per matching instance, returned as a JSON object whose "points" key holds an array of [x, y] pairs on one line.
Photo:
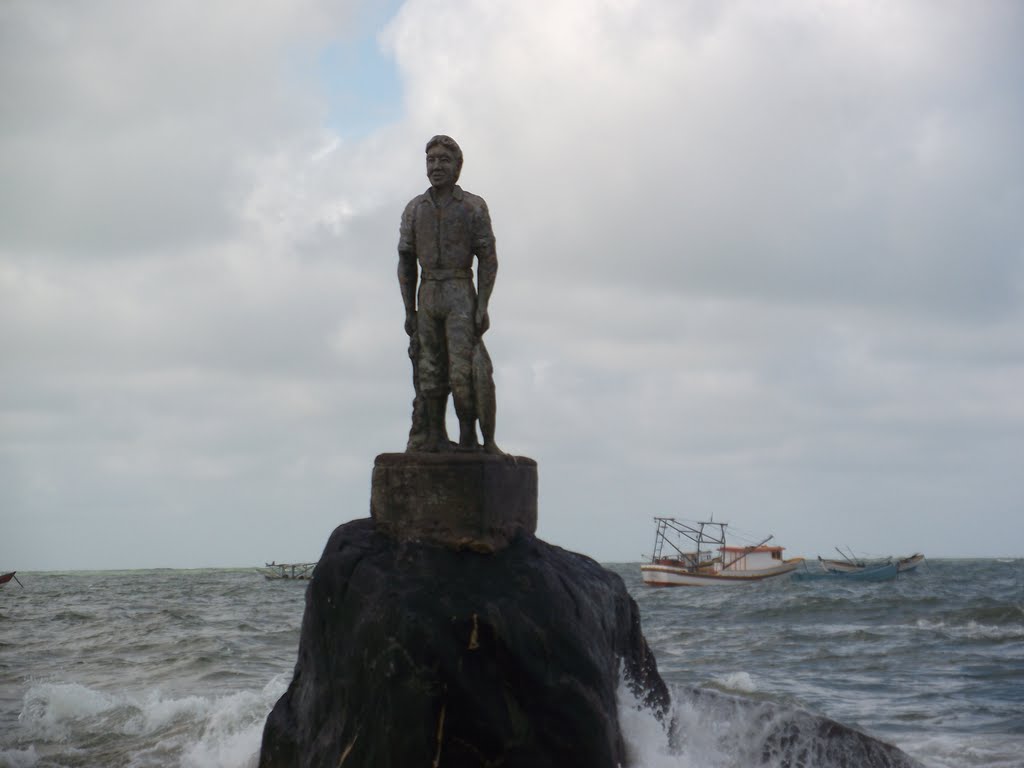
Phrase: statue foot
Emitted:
{"points": [[492, 448], [438, 445], [468, 444], [467, 436], [418, 443]]}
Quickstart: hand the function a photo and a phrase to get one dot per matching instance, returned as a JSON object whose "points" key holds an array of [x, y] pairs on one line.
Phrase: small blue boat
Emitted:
{"points": [[882, 572]]}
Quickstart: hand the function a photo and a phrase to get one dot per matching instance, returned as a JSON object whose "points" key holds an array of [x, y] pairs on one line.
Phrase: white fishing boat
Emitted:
{"points": [[707, 560]]}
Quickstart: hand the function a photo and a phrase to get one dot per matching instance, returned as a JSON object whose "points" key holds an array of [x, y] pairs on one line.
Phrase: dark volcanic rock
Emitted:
{"points": [[419, 655]]}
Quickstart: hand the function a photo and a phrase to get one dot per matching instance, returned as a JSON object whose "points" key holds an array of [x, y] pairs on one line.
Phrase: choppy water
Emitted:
{"points": [[181, 668]]}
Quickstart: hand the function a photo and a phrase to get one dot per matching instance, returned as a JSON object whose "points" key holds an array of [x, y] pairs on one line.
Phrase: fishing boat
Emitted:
{"points": [[851, 564], [877, 572], [905, 564], [707, 559], [289, 571], [4, 578]]}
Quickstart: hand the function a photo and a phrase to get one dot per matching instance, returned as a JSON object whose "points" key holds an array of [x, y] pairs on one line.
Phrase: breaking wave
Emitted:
{"points": [[147, 729]]}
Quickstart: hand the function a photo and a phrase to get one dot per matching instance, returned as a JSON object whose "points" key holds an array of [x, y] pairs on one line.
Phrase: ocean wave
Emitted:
{"points": [[968, 749], [51, 709], [736, 681], [146, 728], [19, 758], [711, 729], [972, 630]]}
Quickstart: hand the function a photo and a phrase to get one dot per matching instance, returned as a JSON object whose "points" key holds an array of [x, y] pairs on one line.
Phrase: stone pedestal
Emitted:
{"points": [[469, 501]]}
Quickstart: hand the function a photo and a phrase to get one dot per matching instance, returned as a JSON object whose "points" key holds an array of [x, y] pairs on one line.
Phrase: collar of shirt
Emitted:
{"points": [[457, 194]]}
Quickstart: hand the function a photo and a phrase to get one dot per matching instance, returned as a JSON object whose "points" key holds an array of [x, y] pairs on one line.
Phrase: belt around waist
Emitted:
{"points": [[446, 274]]}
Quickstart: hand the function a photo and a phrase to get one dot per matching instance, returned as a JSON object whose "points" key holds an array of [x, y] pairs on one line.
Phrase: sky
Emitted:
{"points": [[761, 262]]}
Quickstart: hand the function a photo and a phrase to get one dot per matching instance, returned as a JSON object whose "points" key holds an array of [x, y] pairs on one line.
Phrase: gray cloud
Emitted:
{"points": [[758, 261], [127, 128]]}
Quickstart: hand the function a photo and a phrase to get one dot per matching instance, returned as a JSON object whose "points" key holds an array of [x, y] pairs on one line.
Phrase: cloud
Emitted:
{"points": [[761, 261], [798, 150], [129, 126]]}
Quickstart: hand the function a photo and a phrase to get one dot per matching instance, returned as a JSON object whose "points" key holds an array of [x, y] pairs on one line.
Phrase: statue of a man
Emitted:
{"points": [[442, 231]]}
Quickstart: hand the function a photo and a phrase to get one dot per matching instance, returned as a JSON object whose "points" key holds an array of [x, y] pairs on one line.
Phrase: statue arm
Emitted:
{"points": [[487, 269], [407, 268], [407, 284], [487, 272]]}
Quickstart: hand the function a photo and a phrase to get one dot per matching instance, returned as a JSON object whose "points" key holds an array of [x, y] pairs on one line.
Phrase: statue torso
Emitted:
{"points": [[446, 236]]}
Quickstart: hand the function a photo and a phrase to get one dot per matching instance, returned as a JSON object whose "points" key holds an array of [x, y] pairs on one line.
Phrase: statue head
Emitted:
{"points": [[452, 148]]}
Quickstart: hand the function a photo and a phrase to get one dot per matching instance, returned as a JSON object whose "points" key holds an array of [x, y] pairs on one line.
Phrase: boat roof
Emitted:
{"points": [[752, 549]]}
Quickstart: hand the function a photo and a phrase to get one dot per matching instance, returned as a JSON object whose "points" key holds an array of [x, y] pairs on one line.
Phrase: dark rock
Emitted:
{"points": [[416, 654]]}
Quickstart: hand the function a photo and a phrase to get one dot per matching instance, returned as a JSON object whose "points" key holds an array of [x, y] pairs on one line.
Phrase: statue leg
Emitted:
{"points": [[433, 385], [437, 434], [461, 339]]}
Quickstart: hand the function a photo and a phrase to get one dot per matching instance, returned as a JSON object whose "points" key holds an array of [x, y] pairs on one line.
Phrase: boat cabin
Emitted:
{"points": [[751, 559]]}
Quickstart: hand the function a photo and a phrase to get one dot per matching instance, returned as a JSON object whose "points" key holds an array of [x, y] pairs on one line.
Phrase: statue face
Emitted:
{"points": [[440, 166]]}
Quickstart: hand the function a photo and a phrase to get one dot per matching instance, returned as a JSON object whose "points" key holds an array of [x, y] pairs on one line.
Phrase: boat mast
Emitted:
{"points": [[659, 539], [684, 530], [702, 537]]}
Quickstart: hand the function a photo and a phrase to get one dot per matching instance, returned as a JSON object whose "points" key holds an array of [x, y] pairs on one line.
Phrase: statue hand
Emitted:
{"points": [[410, 323], [482, 320]]}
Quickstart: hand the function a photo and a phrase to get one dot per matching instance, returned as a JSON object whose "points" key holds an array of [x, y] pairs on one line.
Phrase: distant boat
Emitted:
{"points": [[708, 560], [8, 576], [905, 564], [289, 571], [853, 564], [877, 572]]}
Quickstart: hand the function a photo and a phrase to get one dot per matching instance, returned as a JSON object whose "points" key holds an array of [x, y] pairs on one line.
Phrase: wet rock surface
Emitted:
{"points": [[786, 737], [416, 653]]}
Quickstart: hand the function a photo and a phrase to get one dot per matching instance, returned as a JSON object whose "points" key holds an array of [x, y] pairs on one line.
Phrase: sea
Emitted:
{"points": [[156, 668]]}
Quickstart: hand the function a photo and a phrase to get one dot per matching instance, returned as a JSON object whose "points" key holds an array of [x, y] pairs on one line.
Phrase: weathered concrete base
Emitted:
{"points": [[469, 501]]}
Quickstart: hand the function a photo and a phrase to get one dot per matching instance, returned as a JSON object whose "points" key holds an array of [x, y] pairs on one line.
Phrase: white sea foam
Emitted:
{"points": [[236, 748], [967, 749], [154, 729], [153, 713], [972, 630], [737, 681], [648, 743], [233, 730], [19, 758], [705, 733], [50, 708]]}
